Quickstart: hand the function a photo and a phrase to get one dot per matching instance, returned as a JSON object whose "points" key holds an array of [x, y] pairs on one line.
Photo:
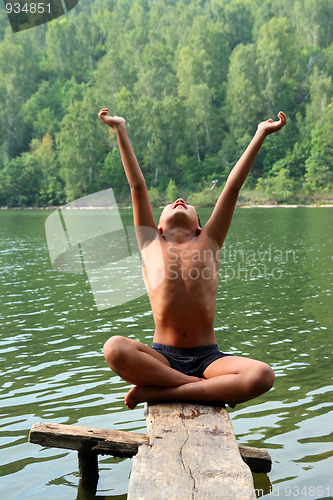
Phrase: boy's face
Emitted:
{"points": [[179, 213]]}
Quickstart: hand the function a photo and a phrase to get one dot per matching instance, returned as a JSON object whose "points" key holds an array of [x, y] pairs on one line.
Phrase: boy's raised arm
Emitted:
{"points": [[142, 211], [219, 222]]}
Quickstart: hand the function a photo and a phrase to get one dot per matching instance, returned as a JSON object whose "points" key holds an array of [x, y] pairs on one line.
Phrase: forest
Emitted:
{"points": [[192, 78]]}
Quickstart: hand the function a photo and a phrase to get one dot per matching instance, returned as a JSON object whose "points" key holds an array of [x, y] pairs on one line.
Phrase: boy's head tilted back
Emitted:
{"points": [[179, 217]]}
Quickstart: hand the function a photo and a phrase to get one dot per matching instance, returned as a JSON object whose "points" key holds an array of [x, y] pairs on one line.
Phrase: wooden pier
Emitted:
{"points": [[190, 452], [193, 453]]}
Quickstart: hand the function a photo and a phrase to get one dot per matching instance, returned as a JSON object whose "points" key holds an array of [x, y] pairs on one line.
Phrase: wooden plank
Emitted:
{"points": [[120, 443], [192, 454], [87, 439]]}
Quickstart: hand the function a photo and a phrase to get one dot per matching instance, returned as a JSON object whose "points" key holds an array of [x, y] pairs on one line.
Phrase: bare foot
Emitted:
{"points": [[141, 394], [138, 395]]}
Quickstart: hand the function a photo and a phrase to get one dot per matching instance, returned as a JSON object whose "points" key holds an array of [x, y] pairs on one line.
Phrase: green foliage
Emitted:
{"points": [[112, 173], [80, 145], [45, 158], [277, 67], [243, 98], [280, 186], [192, 79], [171, 191], [154, 196], [321, 91], [32, 178], [319, 165], [205, 198], [239, 21]]}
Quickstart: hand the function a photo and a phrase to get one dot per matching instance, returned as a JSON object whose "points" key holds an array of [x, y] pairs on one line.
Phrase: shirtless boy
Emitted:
{"points": [[184, 363]]}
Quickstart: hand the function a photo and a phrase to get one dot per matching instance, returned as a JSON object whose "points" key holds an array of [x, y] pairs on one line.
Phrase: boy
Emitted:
{"points": [[184, 363]]}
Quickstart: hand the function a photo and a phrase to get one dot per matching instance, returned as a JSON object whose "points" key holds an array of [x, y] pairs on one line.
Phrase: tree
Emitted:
{"points": [[202, 71], [156, 77], [171, 191], [46, 163], [20, 182], [319, 166], [62, 48], [112, 173], [81, 147], [313, 20], [43, 111], [279, 184], [19, 72], [204, 58], [243, 101], [239, 21], [157, 130], [277, 67], [321, 91], [154, 196]]}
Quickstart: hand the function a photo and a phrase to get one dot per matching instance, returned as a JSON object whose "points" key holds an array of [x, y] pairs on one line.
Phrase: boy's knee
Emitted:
{"points": [[262, 378], [268, 377], [115, 350]]}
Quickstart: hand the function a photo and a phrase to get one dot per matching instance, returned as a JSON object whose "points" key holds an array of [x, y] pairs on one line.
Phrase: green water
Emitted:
{"points": [[274, 303]]}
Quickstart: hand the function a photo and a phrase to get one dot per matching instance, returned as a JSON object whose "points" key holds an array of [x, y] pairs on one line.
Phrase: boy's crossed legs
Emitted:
{"points": [[231, 379]]}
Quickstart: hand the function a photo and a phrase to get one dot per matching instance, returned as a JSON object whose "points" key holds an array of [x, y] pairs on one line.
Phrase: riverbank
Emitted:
{"points": [[247, 199], [254, 198], [238, 205], [285, 206]]}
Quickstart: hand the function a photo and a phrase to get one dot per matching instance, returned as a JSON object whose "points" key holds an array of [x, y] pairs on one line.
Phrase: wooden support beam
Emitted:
{"points": [[196, 439], [192, 454], [119, 443], [88, 471], [87, 439]]}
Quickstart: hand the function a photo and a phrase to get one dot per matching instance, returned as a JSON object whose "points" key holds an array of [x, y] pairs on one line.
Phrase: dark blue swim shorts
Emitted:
{"points": [[191, 360]]}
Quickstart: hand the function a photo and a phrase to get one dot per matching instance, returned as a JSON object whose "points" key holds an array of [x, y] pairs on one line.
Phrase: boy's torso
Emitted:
{"points": [[182, 280]]}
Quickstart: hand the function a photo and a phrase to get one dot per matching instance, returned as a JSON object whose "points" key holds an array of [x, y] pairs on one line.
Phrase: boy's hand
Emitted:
{"points": [[268, 127], [115, 122]]}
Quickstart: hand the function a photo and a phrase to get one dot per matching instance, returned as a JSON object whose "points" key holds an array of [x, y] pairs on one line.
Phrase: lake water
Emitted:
{"points": [[274, 303]]}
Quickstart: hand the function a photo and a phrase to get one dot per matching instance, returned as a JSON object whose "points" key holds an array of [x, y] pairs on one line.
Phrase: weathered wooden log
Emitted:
{"points": [[119, 443], [87, 439], [192, 454], [90, 442]]}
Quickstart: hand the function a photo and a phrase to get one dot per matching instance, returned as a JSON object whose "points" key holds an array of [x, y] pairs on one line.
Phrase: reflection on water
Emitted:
{"points": [[274, 304]]}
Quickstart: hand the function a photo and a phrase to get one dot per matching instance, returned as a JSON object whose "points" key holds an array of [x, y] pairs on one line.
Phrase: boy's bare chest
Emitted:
{"points": [[193, 266], [190, 262]]}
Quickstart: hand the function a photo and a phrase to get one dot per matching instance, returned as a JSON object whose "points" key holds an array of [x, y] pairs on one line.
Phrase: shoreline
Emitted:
{"points": [[248, 205], [298, 205]]}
